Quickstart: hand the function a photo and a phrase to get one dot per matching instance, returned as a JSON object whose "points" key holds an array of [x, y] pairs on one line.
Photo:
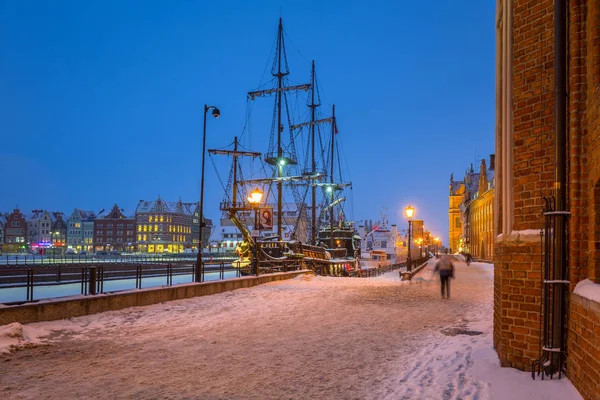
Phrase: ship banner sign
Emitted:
{"points": [[265, 217], [417, 231]]}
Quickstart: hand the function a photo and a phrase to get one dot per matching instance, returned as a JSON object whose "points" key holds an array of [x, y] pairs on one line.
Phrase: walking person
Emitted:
{"points": [[469, 259], [445, 268]]}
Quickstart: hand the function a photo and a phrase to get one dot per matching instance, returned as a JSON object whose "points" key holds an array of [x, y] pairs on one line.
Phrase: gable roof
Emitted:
{"points": [[161, 206]]}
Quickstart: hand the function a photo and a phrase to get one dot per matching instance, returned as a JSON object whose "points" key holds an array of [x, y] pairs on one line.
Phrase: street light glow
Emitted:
{"points": [[409, 211]]}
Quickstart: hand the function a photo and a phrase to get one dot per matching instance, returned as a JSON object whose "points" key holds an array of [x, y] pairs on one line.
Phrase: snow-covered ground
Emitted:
{"points": [[309, 337]]}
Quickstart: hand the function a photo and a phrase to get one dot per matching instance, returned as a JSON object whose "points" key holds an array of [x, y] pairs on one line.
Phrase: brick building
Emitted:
{"points": [[481, 216], [461, 194], [15, 232], [477, 211], [471, 212], [548, 147], [457, 191], [115, 231], [164, 226]]}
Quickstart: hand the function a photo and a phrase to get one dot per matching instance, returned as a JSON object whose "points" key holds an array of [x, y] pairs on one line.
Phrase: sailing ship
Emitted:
{"points": [[319, 236]]}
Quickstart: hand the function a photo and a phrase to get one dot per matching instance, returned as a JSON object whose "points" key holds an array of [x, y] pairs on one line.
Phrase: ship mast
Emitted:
{"points": [[313, 106], [331, 175], [279, 158], [279, 149], [234, 206]]}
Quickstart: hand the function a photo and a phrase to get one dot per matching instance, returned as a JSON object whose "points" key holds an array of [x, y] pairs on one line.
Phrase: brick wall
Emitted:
{"points": [[517, 266], [517, 299], [533, 102], [583, 364], [592, 73]]}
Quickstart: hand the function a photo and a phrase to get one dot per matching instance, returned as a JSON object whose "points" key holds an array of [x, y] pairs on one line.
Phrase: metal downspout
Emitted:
{"points": [[560, 176]]}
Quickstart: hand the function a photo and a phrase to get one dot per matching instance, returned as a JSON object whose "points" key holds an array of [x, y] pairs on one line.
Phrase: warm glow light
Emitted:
{"points": [[255, 196], [409, 212]]}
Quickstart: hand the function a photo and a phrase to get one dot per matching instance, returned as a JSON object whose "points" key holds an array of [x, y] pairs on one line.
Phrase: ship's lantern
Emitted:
{"points": [[255, 196]]}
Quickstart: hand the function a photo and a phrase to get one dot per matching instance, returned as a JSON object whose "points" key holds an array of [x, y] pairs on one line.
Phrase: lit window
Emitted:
{"points": [[161, 219]]}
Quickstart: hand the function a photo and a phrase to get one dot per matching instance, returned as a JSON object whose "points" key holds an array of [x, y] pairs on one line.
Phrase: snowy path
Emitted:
{"points": [[310, 337]]}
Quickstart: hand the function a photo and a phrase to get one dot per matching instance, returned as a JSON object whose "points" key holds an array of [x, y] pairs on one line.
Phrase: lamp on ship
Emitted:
{"points": [[254, 201], [409, 211], [255, 197], [199, 264]]}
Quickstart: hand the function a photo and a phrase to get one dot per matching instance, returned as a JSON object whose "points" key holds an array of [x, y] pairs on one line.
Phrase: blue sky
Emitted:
{"points": [[101, 101]]}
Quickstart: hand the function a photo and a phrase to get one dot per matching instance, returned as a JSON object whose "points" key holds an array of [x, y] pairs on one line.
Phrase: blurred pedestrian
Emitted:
{"points": [[469, 258], [445, 268]]}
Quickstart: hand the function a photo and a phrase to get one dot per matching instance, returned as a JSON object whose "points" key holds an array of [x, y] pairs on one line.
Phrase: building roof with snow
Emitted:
{"points": [[161, 206]]}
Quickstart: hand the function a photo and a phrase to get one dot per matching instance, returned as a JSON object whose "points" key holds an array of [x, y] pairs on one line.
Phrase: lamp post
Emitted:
{"points": [[199, 264], [409, 211], [436, 241], [254, 200]]}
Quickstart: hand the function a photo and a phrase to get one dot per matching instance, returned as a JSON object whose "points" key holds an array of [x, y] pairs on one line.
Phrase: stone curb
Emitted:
{"points": [[75, 306]]}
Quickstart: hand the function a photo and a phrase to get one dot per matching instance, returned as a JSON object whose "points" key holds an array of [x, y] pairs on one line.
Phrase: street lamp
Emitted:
{"points": [[409, 211], [419, 241], [254, 200], [199, 264], [436, 240]]}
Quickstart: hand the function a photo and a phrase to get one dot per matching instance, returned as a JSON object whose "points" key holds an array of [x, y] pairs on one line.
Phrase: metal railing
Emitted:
{"points": [[59, 280], [63, 280], [30, 259], [374, 272]]}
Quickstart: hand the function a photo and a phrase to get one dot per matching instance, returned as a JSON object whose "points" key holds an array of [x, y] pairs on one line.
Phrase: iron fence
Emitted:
{"points": [[33, 260], [92, 278]]}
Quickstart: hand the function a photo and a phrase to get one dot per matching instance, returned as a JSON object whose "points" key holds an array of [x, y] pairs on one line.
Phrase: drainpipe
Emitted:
{"points": [[560, 176]]}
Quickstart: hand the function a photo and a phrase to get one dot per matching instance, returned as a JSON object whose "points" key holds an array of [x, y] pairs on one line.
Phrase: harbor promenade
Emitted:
{"points": [[310, 337]]}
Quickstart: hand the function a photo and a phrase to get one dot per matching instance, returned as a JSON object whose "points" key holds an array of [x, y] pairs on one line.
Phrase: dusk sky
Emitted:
{"points": [[101, 101]]}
